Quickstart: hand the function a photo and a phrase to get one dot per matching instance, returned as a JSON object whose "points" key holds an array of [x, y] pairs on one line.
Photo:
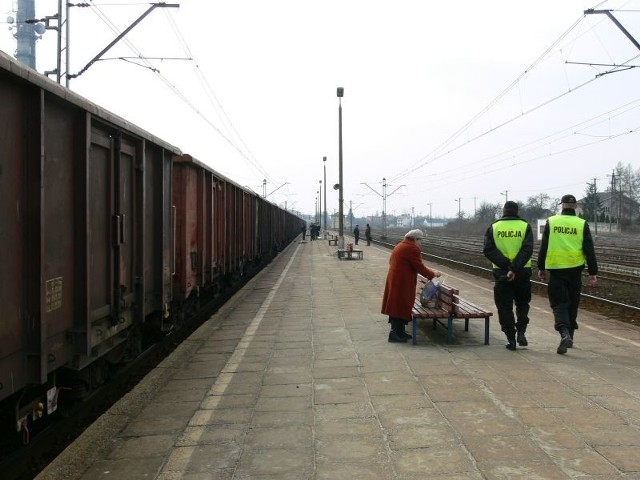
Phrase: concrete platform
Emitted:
{"points": [[294, 379]]}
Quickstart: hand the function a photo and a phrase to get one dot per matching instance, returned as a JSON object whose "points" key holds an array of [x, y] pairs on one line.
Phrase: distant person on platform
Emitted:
{"points": [[304, 232], [508, 244], [400, 289], [566, 246], [356, 234], [367, 234]]}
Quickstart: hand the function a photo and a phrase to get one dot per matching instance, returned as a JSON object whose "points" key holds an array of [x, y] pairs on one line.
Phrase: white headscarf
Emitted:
{"points": [[414, 234]]}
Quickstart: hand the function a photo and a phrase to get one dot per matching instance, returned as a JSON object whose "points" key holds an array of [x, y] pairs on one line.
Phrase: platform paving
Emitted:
{"points": [[294, 379]]}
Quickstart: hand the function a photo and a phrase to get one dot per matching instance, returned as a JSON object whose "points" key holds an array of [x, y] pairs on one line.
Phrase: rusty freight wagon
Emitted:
{"points": [[85, 237], [108, 236]]}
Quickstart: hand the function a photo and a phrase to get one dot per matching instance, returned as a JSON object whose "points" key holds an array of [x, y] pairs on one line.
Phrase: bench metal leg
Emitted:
{"points": [[414, 331], [450, 329], [486, 330], [466, 324]]}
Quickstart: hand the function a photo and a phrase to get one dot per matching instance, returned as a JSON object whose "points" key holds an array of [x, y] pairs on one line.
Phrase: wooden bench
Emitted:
{"points": [[450, 307], [350, 254]]}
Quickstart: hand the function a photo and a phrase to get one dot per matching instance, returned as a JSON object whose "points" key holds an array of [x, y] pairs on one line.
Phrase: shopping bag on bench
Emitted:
{"points": [[429, 295]]}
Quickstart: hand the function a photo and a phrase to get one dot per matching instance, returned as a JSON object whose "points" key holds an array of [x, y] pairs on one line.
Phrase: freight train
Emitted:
{"points": [[108, 235]]}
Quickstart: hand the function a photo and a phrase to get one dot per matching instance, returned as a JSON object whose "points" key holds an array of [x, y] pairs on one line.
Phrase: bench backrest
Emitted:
{"points": [[447, 295]]}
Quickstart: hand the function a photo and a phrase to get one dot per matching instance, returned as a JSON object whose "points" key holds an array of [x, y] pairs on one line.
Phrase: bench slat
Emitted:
{"points": [[449, 306]]}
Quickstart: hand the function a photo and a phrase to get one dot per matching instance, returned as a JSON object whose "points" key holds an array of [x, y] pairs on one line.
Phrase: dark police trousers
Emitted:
{"points": [[505, 294], [564, 297]]}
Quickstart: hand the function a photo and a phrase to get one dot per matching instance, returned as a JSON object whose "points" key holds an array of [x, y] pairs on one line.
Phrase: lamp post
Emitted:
{"points": [[430, 217], [324, 161], [340, 94], [320, 206], [506, 195], [459, 211]]}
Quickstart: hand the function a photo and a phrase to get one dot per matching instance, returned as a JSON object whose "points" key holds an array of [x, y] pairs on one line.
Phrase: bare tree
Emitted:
{"points": [[538, 206]]}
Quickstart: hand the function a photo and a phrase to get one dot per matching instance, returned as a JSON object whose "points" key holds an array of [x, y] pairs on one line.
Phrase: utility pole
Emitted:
{"points": [[351, 215], [594, 203], [26, 33], [612, 190], [384, 203], [324, 161], [320, 206]]}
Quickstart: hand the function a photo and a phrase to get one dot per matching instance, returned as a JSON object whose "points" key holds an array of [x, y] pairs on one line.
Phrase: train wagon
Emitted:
{"points": [[107, 234], [223, 231], [216, 230], [85, 237]]}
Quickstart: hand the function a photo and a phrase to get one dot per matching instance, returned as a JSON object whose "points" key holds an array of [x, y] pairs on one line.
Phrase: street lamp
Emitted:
{"points": [[324, 160], [459, 212], [320, 205], [430, 217], [340, 179], [506, 195]]}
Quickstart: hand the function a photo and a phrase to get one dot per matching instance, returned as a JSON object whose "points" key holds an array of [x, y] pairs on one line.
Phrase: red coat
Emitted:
{"points": [[400, 290]]}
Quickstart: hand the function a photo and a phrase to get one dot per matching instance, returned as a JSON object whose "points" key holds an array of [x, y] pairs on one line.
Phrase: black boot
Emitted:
{"points": [[565, 342], [511, 341], [400, 330], [395, 335], [522, 340]]}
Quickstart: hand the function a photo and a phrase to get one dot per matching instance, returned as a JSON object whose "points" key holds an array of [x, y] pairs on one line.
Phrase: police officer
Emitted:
{"points": [[508, 244], [566, 245]]}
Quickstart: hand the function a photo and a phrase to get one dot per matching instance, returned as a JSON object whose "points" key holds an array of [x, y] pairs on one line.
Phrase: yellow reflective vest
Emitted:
{"points": [[566, 233], [508, 236]]}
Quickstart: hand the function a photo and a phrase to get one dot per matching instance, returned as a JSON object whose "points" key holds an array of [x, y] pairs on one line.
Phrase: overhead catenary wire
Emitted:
{"points": [[105, 19], [431, 156], [213, 98]]}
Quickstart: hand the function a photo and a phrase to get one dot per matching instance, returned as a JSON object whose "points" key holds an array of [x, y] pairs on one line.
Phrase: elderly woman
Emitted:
{"points": [[400, 290]]}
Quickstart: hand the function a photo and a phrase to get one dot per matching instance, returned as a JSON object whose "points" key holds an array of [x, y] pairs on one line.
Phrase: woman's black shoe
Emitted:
{"points": [[396, 338], [406, 335]]}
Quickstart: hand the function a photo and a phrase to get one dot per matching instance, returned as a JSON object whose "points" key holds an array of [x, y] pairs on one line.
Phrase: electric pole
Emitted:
{"points": [[26, 33]]}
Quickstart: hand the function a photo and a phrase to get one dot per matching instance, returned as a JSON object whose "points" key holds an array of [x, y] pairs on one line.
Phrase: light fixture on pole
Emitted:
{"points": [[506, 195], [459, 211], [324, 160], [430, 217], [340, 94]]}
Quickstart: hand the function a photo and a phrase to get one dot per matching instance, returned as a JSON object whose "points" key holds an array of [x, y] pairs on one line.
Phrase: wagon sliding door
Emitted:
{"points": [[110, 235]]}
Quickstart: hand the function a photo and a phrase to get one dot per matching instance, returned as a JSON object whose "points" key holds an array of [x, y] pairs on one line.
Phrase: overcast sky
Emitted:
{"points": [[454, 103]]}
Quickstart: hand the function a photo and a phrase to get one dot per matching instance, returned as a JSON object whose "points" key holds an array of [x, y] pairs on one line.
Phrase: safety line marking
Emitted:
{"points": [[178, 461]]}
